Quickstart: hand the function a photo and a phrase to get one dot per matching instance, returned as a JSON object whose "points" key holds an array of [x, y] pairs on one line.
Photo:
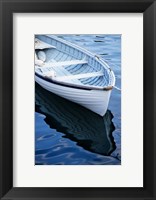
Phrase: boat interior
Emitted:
{"points": [[68, 65]]}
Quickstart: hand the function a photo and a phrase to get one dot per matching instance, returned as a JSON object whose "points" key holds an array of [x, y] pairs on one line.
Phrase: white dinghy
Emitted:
{"points": [[73, 73]]}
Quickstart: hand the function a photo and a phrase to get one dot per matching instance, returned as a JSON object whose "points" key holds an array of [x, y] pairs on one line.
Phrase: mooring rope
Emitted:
{"points": [[117, 88]]}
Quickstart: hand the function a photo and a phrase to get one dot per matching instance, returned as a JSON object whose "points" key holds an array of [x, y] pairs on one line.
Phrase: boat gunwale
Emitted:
{"points": [[72, 85]]}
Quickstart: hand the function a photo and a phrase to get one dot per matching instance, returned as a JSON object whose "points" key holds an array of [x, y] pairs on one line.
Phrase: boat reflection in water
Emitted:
{"points": [[89, 130]]}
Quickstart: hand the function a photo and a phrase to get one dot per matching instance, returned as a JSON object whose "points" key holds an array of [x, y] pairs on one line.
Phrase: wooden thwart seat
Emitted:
{"points": [[79, 76], [58, 72], [42, 45], [64, 63]]}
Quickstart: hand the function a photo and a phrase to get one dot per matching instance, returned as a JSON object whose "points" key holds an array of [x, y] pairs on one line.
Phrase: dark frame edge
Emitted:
{"points": [[155, 98], [1, 115], [6, 101], [149, 62], [6, 190]]}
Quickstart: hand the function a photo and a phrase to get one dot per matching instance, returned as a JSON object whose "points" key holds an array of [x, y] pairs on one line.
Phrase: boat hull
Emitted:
{"points": [[94, 100]]}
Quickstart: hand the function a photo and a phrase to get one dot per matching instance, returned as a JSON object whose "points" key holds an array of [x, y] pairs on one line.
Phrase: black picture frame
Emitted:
{"points": [[7, 8]]}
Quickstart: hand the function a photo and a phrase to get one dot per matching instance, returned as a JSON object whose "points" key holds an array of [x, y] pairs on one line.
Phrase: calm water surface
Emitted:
{"points": [[68, 134]]}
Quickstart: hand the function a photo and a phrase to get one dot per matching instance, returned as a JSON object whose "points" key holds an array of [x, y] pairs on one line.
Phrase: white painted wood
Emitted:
{"points": [[78, 76], [42, 45], [94, 100], [64, 63]]}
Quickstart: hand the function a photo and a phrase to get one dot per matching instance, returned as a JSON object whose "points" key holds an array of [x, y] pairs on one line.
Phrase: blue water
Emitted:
{"points": [[68, 134]]}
